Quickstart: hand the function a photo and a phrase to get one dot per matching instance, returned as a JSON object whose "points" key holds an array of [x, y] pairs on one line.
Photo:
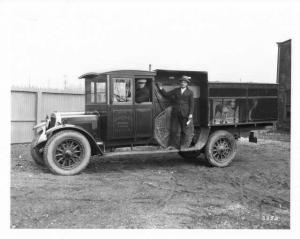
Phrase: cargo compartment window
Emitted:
{"points": [[122, 90]]}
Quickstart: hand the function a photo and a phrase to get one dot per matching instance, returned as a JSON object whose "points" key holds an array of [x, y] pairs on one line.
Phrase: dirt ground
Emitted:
{"points": [[161, 191]]}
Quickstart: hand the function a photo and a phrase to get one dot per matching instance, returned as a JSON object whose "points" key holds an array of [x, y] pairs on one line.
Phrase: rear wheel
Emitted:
{"points": [[36, 154], [220, 149], [67, 153]]}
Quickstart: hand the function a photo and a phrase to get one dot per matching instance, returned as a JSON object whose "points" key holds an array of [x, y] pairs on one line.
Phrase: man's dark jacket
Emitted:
{"points": [[142, 95], [183, 103]]}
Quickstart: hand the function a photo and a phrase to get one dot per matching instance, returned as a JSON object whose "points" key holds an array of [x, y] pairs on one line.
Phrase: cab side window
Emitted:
{"points": [[122, 90], [143, 90], [95, 92], [101, 92]]}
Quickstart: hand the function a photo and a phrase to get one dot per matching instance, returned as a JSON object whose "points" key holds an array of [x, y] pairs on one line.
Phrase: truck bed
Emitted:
{"points": [[242, 103]]}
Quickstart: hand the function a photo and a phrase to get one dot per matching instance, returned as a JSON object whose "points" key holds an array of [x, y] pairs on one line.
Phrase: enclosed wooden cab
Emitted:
{"points": [[124, 120], [112, 94]]}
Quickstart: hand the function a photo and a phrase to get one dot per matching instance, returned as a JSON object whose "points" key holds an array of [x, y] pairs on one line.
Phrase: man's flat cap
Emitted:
{"points": [[141, 81], [185, 78]]}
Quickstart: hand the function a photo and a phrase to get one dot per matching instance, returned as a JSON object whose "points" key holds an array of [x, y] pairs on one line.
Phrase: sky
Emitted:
{"points": [[52, 43]]}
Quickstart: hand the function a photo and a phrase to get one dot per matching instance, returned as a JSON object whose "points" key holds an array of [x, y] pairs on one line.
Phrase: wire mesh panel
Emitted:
{"points": [[163, 127]]}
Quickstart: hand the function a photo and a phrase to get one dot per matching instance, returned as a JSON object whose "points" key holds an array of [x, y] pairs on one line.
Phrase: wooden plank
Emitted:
{"points": [[21, 132], [29, 106], [39, 103], [241, 97], [23, 106], [61, 102], [246, 123]]}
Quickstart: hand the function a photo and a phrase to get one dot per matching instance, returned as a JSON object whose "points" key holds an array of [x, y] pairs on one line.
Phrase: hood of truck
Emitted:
{"points": [[86, 120], [80, 120]]}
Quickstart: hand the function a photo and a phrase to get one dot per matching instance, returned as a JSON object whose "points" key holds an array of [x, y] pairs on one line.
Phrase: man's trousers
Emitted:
{"points": [[181, 133]]}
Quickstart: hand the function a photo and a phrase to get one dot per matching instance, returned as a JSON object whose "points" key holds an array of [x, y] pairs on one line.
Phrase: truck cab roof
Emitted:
{"points": [[141, 73]]}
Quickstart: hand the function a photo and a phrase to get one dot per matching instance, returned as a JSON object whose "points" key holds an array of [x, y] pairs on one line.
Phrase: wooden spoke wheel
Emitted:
{"points": [[67, 153], [220, 148]]}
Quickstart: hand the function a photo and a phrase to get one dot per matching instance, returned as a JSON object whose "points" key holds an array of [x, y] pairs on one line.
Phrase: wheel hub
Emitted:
{"points": [[68, 153], [222, 149]]}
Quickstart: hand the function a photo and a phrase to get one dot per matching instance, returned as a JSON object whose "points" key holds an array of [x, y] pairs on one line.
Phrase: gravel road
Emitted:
{"points": [[161, 191]]}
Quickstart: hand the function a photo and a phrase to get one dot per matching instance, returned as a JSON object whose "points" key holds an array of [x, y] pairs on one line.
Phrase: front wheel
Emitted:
{"points": [[67, 153], [220, 149]]}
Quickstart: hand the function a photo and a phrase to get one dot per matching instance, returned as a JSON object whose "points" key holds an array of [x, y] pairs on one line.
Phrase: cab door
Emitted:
{"points": [[143, 111], [129, 119], [121, 115]]}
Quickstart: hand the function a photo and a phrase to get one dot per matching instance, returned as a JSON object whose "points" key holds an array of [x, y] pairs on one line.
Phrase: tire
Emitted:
{"points": [[36, 155], [189, 155], [67, 153], [220, 148]]}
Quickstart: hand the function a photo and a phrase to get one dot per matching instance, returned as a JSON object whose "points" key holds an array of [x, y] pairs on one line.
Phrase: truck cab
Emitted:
{"points": [[126, 121], [122, 119]]}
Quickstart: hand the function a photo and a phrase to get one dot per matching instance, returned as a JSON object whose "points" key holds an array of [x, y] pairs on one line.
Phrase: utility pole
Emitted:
{"points": [[65, 81]]}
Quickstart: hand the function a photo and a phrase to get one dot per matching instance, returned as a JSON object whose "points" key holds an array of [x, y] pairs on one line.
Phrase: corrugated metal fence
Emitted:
{"points": [[29, 106]]}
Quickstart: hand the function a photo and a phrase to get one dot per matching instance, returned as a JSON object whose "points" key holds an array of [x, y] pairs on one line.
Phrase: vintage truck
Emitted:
{"points": [[223, 112]]}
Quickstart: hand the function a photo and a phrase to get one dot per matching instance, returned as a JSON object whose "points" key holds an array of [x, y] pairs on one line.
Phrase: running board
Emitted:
{"points": [[147, 152]]}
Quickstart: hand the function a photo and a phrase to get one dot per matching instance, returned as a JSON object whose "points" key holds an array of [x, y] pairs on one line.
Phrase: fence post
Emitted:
{"points": [[39, 99]]}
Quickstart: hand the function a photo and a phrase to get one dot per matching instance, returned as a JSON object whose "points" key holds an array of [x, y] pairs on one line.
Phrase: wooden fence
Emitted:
{"points": [[29, 106]]}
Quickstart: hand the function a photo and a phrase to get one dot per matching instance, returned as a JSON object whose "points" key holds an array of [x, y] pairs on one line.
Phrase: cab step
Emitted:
{"points": [[147, 152]]}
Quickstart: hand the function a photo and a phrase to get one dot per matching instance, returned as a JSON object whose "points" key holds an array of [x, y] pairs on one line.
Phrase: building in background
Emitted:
{"points": [[284, 82]]}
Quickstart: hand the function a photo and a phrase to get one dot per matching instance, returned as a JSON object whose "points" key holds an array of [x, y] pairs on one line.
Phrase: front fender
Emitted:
{"points": [[94, 147], [40, 134]]}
